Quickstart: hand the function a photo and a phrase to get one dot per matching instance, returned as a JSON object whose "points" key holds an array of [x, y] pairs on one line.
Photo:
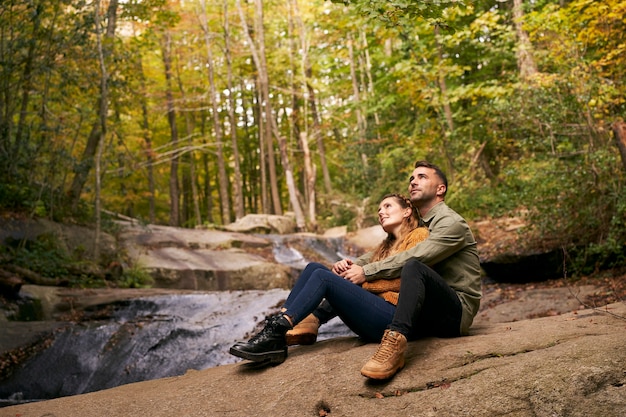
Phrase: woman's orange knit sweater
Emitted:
{"points": [[389, 289]]}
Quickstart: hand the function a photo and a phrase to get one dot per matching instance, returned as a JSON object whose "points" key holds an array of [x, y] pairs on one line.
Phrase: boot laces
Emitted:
{"points": [[263, 334], [386, 348]]}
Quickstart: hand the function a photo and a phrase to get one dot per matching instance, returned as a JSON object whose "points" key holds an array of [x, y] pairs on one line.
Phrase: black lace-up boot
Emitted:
{"points": [[269, 345]]}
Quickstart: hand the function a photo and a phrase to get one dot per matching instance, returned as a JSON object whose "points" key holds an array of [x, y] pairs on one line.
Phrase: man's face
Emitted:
{"points": [[424, 185]]}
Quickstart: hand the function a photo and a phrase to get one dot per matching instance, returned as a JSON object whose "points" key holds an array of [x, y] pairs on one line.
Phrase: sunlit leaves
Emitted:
{"points": [[402, 11]]}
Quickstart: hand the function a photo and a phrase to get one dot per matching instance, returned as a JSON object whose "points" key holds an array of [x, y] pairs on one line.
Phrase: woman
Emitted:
{"points": [[366, 313]]}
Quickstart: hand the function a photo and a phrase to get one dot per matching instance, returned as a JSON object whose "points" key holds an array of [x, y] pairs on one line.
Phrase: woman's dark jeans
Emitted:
{"points": [[366, 314], [427, 305]]}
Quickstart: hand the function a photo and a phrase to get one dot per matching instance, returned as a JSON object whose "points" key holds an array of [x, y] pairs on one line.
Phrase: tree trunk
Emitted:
{"points": [[525, 61], [208, 190], [441, 79], [166, 49], [258, 116], [296, 117], [237, 184], [264, 84], [27, 87], [289, 178], [258, 56], [370, 79], [360, 119], [253, 155], [619, 131], [317, 131], [273, 129], [307, 71], [447, 109], [147, 137], [221, 165], [309, 175], [103, 128], [189, 176], [82, 170]]}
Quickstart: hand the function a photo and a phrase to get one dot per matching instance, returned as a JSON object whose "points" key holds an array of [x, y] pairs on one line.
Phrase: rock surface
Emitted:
{"points": [[266, 223], [568, 365], [509, 252], [198, 259], [210, 260]]}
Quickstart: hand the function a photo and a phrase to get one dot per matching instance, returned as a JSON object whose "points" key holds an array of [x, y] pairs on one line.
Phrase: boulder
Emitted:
{"points": [[509, 253], [568, 365], [264, 223], [367, 238]]}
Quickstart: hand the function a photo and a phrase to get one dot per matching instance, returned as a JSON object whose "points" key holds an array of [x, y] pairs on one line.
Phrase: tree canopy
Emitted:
{"points": [[199, 112]]}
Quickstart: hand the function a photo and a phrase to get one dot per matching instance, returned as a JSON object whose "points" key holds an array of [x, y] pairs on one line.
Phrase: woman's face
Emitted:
{"points": [[391, 215]]}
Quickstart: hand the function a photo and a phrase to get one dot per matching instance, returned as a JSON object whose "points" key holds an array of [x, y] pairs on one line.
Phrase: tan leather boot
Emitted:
{"points": [[305, 332], [388, 359]]}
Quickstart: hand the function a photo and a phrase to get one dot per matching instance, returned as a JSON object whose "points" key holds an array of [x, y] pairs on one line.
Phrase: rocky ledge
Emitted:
{"points": [[568, 365]]}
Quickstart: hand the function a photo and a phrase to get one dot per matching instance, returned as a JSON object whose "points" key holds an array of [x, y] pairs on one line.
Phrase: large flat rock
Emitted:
{"points": [[568, 365]]}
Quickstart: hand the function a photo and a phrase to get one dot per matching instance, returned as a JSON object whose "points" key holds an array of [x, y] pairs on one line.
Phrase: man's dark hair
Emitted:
{"points": [[437, 170]]}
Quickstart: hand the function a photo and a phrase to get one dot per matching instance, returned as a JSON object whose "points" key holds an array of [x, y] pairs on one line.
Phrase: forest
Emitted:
{"points": [[197, 112]]}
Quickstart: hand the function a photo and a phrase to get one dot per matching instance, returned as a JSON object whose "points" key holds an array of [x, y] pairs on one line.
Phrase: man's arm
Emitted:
{"points": [[447, 235], [364, 259]]}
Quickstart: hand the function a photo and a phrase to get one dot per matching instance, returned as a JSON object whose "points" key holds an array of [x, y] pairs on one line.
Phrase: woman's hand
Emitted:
{"points": [[354, 274], [341, 266]]}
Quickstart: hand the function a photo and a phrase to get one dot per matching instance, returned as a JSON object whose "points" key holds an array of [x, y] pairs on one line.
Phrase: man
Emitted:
{"points": [[440, 286]]}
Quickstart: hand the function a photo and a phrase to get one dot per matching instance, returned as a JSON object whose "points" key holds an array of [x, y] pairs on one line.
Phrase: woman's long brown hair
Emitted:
{"points": [[414, 220]]}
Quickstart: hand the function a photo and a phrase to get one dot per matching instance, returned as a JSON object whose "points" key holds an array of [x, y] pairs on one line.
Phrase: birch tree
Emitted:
{"points": [[237, 180], [309, 92], [282, 144], [264, 102], [217, 128]]}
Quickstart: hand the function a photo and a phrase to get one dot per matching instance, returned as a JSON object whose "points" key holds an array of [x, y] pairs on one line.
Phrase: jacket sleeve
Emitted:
{"points": [[447, 236], [364, 259]]}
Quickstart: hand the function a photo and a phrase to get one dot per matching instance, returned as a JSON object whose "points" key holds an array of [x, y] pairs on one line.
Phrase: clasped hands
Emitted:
{"points": [[348, 270]]}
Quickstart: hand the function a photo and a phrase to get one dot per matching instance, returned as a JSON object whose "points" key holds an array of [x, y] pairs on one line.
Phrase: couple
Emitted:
{"points": [[422, 280]]}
